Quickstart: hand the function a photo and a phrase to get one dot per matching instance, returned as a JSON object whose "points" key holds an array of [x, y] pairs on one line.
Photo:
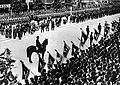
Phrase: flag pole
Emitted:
{"points": [[32, 72], [84, 44]]}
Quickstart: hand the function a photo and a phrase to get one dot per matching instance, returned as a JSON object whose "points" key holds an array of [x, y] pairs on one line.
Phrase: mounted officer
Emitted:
{"points": [[38, 44]]}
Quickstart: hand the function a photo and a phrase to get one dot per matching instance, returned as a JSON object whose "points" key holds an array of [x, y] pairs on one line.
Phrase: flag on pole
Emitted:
{"points": [[2, 53], [96, 35], [83, 38], [50, 59], [41, 64], [74, 49], [65, 49], [25, 70], [59, 56]]}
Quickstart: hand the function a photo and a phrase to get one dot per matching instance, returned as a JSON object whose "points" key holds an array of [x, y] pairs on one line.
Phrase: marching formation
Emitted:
{"points": [[35, 23]]}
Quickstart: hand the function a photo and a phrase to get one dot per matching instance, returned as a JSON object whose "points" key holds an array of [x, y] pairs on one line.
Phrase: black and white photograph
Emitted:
{"points": [[59, 42]]}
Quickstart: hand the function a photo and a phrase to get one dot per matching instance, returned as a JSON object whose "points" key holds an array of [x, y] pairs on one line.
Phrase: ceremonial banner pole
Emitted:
{"points": [[71, 11]]}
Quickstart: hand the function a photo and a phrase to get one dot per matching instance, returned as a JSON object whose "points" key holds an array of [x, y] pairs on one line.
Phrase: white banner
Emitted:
{"points": [[5, 6]]}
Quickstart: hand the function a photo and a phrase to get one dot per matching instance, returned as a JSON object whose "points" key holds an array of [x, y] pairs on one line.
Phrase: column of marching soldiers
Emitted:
{"points": [[19, 29]]}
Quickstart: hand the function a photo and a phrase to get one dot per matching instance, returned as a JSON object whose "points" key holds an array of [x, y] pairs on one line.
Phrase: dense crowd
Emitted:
{"points": [[97, 65]]}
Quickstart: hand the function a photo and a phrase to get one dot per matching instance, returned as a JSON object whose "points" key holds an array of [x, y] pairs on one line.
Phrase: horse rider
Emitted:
{"points": [[38, 44]]}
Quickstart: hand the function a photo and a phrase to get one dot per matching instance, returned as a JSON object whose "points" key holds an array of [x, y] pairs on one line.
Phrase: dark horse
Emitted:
{"points": [[41, 50]]}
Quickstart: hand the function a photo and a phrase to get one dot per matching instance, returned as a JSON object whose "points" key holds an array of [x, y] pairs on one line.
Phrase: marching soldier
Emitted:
{"points": [[6, 32], [10, 31], [42, 27], [14, 33], [19, 33], [52, 25], [47, 25]]}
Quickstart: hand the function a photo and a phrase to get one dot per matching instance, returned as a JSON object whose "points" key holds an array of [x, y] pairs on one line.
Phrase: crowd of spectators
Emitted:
{"points": [[97, 65]]}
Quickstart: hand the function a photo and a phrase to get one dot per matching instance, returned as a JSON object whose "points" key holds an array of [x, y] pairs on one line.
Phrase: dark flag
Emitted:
{"points": [[74, 50], [50, 59], [83, 38], [59, 62], [96, 35], [2, 53], [11, 77], [59, 56], [25, 71], [41, 64], [66, 49]]}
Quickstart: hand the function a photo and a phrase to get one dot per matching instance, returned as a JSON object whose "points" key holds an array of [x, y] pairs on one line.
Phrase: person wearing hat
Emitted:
{"points": [[87, 30], [91, 38], [38, 44], [99, 27]]}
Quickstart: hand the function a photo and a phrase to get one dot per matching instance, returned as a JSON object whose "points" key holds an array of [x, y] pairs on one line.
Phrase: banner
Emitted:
{"points": [[66, 49], [5, 6]]}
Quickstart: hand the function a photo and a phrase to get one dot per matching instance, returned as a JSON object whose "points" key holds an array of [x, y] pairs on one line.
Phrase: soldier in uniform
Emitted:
{"points": [[52, 25], [99, 28], [87, 29], [42, 27], [47, 25], [6, 32], [2, 29], [14, 33], [10, 31], [20, 33], [38, 44]]}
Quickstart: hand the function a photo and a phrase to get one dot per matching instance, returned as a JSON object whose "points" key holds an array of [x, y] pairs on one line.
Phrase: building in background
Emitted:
{"points": [[5, 6]]}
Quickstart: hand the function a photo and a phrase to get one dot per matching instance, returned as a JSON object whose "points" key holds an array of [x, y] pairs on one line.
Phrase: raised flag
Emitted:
{"points": [[96, 35], [25, 70], [74, 49], [60, 61], [2, 53], [83, 38], [41, 64], [59, 56], [50, 59], [11, 77], [66, 49]]}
